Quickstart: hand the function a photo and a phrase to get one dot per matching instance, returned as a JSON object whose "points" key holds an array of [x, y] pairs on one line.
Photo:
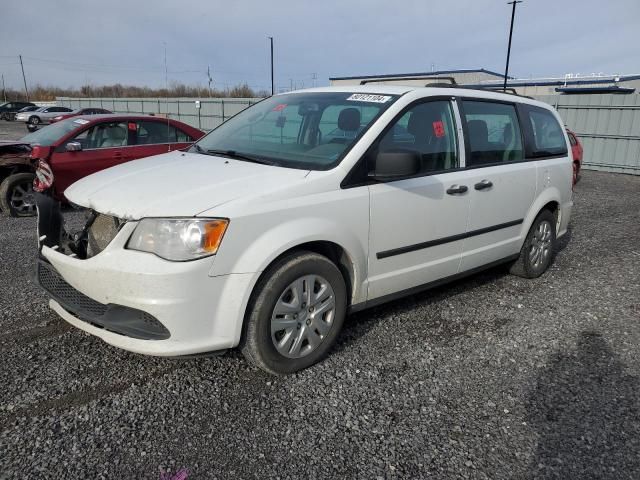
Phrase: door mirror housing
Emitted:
{"points": [[73, 147], [395, 165]]}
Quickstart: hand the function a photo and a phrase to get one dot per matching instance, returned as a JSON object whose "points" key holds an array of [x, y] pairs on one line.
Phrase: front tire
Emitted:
{"points": [[538, 249], [295, 314], [17, 198], [34, 120]]}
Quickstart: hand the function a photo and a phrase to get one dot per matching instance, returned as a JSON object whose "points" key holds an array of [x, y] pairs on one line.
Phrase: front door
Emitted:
{"points": [[417, 224]]}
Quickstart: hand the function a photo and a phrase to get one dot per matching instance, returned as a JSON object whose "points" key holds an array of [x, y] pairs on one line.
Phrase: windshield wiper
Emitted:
{"points": [[199, 148], [239, 156]]}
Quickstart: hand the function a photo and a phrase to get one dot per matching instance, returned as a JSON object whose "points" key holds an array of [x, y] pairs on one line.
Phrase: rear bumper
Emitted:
{"points": [[565, 217]]}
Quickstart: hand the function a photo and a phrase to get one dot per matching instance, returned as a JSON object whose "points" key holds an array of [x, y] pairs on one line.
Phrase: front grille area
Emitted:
{"points": [[103, 229], [115, 318], [65, 294]]}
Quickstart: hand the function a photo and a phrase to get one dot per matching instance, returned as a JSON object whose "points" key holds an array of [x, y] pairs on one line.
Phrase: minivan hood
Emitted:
{"points": [[176, 184]]}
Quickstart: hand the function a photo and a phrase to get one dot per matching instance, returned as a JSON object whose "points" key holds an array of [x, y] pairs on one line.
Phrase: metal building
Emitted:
{"points": [[481, 78], [462, 77]]}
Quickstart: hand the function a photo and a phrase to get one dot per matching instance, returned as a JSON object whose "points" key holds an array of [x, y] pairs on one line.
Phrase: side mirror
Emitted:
{"points": [[73, 147], [395, 165]]}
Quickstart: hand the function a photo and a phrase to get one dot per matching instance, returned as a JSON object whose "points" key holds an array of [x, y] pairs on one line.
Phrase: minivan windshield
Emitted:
{"points": [[310, 130], [50, 134]]}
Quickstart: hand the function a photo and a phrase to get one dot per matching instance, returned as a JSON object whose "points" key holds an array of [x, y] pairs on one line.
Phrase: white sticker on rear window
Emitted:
{"points": [[81, 121], [366, 97]]}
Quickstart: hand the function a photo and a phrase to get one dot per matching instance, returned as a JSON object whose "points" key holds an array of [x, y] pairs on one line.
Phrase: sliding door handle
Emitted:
{"points": [[457, 189], [482, 185]]}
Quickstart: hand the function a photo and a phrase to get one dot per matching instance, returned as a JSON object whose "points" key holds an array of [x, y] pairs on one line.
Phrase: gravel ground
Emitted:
{"points": [[493, 377]]}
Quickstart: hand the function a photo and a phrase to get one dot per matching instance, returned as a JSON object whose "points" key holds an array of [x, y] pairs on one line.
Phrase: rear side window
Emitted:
{"points": [[149, 133], [546, 134], [493, 133]]}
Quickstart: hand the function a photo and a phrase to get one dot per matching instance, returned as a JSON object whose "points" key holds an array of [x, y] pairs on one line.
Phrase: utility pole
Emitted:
{"points": [[273, 88], [210, 79], [24, 78], [4, 92], [506, 69], [314, 77]]}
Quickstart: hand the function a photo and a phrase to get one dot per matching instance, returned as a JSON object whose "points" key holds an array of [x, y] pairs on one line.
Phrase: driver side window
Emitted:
{"points": [[103, 135], [427, 129]]}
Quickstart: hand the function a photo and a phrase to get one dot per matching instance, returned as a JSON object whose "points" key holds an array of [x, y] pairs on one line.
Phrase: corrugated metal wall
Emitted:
{"points": [[212, 111], [608, 126]]}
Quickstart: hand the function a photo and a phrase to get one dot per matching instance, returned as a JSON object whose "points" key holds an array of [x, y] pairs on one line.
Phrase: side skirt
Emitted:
{"points": [[427, 286]]}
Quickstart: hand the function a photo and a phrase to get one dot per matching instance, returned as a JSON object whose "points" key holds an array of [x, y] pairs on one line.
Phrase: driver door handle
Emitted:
{"points": [[482, 185], [457, 189]]}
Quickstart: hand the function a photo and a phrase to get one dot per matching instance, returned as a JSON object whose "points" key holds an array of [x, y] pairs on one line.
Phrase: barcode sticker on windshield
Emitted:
{"points": [[366, 97]]}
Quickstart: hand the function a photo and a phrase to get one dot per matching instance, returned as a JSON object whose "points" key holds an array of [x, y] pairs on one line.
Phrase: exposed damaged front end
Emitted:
{"points": [[90, 240]]}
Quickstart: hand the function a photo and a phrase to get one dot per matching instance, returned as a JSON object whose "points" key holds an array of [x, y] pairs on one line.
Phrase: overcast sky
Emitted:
{"points": [[70, 43]]}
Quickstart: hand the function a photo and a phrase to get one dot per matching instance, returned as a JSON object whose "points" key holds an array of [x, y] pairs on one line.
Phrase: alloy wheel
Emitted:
{"points": [[22, 198], [540, 244]]}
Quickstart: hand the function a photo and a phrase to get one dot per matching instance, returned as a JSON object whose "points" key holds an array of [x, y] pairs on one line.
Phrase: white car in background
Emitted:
{"points": [[41, 115], [304, 207]]}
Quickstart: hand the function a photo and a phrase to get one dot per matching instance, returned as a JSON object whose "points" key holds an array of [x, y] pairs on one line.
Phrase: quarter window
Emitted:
{"points": [[429, 130], [493, 133], [548, 136]]}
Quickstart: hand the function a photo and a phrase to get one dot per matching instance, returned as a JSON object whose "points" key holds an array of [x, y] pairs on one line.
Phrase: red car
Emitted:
{"points": [[79, 146], [576, 149], [79, 112]]}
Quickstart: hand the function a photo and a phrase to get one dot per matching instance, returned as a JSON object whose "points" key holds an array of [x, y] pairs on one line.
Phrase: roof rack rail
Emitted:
{"points": [[439, 81], [499, 89]]}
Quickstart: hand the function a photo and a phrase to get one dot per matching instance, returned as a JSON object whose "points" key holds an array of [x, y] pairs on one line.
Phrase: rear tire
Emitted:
{"points": [[295, 313], [538, 249], [17, 198]]}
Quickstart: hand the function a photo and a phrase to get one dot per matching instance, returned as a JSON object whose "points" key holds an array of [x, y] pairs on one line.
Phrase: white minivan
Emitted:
{"points": [[305, 207]]}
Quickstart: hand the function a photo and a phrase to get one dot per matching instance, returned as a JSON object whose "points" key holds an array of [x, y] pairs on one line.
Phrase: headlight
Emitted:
{"points": [[178, 239]]}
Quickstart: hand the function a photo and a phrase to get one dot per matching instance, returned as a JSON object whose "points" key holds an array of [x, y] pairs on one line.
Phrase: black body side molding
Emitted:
{"points": [[440, 241]]}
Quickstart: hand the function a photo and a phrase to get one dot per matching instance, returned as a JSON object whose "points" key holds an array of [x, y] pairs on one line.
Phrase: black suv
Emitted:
{"points": [[9, 109]]}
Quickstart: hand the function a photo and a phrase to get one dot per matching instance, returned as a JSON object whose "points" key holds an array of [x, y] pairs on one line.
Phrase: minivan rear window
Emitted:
{"points": [[547, 134]]}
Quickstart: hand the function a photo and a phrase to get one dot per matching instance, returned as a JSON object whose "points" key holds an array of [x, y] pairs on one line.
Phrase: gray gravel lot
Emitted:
{"points": [[493, 377]]}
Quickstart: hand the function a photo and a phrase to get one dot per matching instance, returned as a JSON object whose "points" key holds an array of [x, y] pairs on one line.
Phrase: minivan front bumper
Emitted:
{"points": [[113, 294]]}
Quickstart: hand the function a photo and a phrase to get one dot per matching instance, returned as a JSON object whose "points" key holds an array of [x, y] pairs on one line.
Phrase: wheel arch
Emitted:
{"points": [[330, 249], [550, 200]]}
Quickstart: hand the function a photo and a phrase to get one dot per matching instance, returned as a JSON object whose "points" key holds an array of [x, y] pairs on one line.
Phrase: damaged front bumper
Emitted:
{"points": [[136, 300]]}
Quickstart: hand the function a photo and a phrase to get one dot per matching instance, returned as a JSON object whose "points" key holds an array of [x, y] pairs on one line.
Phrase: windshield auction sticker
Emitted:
{"points": [[366, 97]]}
